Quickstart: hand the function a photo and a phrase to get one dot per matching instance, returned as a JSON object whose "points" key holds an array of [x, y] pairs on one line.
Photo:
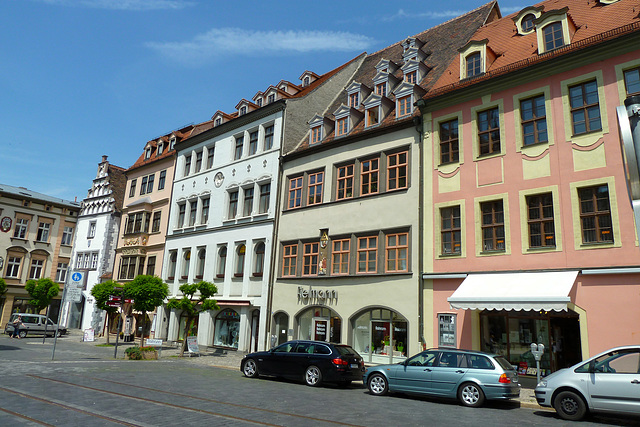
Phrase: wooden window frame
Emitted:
{"points": [[449, 143], [404, 106], [289, 260], [596, 214], [310, 256], [397, 170], [370, 176], [370, 252], [534, 121], [452, 233], [345, 181], [584, 108], [473, 64], [485, 129], [397, 253], [539, 219], [316, 134], [340, 257], [553, 36], [342, 126], [294, 199], [492, 223], [315, 188]]}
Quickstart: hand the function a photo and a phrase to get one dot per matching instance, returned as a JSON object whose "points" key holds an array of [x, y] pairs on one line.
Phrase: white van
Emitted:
{"points": [[33, 324]]}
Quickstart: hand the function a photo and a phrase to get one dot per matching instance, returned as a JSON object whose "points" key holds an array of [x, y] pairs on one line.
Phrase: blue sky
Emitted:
{"points": [[83, 78]]}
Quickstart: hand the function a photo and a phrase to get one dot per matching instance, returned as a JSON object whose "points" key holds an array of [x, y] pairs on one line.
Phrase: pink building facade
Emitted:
{"points": [[529, 230]]}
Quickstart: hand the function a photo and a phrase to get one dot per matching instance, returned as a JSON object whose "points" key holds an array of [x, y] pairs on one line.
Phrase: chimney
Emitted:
{"points": [[104, 158]]}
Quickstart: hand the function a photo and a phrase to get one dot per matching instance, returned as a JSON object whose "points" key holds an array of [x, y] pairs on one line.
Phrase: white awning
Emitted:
{"points": [[515, 291]]}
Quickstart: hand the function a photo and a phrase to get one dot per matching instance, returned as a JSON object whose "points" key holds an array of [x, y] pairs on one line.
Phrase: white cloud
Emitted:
{"points": [[122, 4], [222, 41], [401, 14]]}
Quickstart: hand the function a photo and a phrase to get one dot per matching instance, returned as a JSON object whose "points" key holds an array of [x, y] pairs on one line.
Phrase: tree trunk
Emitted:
{"points": [[108, 324], [144, 315], [186, 332]]}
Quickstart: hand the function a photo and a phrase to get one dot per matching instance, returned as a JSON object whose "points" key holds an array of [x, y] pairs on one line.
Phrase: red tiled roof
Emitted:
{"points": [[595, 22], [180, 134]]}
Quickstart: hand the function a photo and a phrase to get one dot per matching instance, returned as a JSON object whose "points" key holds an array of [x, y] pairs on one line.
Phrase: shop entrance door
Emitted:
{"points": [[320, 326]]}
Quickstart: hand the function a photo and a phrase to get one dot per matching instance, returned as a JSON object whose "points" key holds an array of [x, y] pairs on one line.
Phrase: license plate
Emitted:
{"points": [[354, 366]]}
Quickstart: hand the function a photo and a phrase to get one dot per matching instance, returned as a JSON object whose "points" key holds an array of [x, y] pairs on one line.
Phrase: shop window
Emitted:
{"points": [[340, 256], [540, 221], [585, 107], [222, 262], [367, 254], [397, 170], [289, 260], [447, 330], [319, 324], [489, 131], [451, 230], [534, 121], [193, 328], [380, 336], [493, 237], [344, 182], [227, 329], [310, 259], [595, 214]]}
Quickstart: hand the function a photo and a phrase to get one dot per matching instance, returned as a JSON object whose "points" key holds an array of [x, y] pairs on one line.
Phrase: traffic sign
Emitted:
{"points": [[77, 279]]}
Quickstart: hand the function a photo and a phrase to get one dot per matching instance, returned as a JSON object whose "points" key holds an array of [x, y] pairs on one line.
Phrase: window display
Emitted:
{"points": [[380, 336], [227, 328]]}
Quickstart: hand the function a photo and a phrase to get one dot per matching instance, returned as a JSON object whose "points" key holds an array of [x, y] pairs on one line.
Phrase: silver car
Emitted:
{"points": [[469, 376], [608, 382], [33, 324]]}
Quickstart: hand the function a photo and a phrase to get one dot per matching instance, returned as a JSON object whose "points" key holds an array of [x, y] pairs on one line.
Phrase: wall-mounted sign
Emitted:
{"points": [[317, 296], [5, 224]]}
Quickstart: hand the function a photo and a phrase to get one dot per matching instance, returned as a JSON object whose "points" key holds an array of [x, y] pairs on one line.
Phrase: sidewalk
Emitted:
{"points": [[229, 359]]}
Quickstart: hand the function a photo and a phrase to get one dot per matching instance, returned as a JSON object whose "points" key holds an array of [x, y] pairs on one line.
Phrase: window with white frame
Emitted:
{"points": [[240, 256], [187, 164], [161, 180], [204, 215], [182, 210], [222, 262], [198, 161], [43, 232], [247, 203], [92, 230], [258, 263], [132, 188], [21, 227], [265, 193], [171, 271], [253, 143], [238, 147], [193, 211], [202, 255], [35, 272], [210, 153], [61, 272], [155, 225], [13, 266], [186, 260], [67, 236], [268, 137]]}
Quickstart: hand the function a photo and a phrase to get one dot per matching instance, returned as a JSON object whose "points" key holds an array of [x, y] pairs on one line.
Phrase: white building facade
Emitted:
{"points": [[221, 226], [95, 242]]}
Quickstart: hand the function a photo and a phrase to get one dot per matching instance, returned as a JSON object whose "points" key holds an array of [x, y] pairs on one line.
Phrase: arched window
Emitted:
{"points": [[222, 261], [474, 64], [202, 253], [240, 252], [172, 265], [227, 328], [258, 268], [186, 259], [553, 37], [527, 22]]}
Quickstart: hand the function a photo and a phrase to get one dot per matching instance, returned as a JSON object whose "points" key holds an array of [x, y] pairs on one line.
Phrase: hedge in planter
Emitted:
{"points": [[141, 353]]}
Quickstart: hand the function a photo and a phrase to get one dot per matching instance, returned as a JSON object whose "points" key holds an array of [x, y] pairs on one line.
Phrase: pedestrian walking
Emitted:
{"points": [[17, 323]]}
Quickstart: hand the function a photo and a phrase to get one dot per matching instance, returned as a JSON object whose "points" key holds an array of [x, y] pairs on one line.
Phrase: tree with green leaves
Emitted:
{"points": [[147, 293], [101, 293], [42, 292], [193, 307], [3, 286]]}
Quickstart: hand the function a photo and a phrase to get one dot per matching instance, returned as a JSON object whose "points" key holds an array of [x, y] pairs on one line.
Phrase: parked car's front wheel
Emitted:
{"points": [[59, 333], [471, 394], [570, 406], [313, 376], [378, 385], [22, 333], [250, 368]]}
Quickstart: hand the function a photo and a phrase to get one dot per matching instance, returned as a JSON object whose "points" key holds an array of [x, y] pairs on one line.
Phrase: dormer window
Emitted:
{"points": [[381, 89], [354, 100], [243, 110], [373, 116], [342, 126], [316, 134], [160, 148], [553, 37], [218, 122], [147, 153], [172, 143], [411, 77], [271, 98], [473, 64], [404, 106], [306, 81], [527, 22], [259, 102]]}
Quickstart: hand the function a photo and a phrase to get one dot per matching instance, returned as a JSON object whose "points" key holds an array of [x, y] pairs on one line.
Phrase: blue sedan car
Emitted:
{"points": [[469, 376]]}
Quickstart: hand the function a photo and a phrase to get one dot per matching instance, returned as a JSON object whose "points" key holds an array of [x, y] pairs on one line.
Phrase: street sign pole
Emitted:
{"points": [[64, 301]]}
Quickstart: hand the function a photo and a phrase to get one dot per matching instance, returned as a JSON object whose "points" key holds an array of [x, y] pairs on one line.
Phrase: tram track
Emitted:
{"points": [[161, 403]]}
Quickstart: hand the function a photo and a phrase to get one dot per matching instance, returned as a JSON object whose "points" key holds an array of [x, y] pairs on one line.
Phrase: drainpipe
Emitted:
{"points": [[417, 121], [629, 125]]}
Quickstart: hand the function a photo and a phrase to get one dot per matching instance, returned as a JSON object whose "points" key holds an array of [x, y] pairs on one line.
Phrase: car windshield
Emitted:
{"points": [[344, 350], [504, 363]]}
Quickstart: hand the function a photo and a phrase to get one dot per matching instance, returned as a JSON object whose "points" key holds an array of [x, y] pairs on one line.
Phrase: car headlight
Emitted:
{"points": [[542, 383]]}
